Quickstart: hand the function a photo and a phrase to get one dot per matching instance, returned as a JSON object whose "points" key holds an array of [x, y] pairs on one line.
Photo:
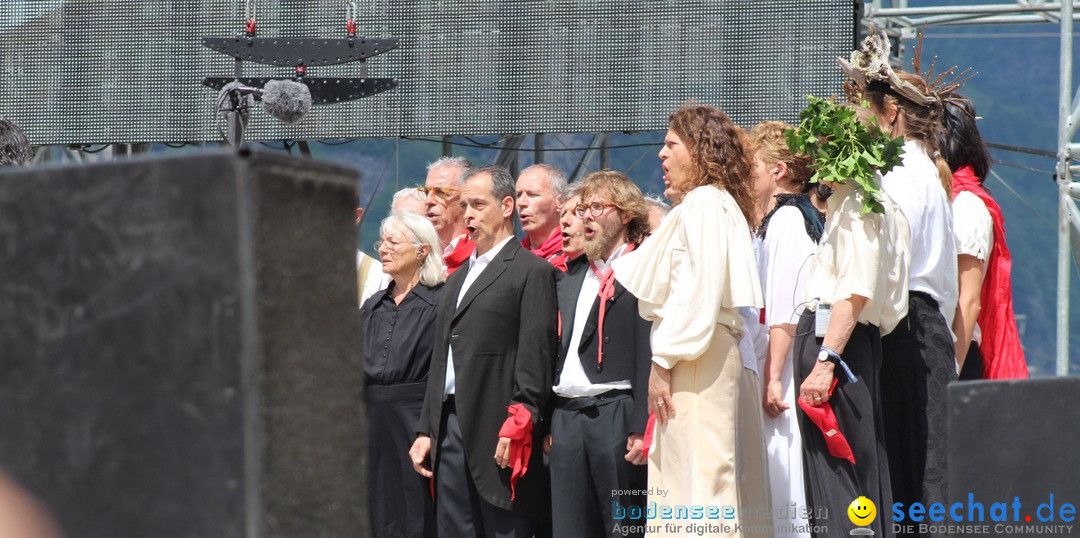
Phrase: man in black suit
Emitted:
{"points": [[602, 377], [490, 376]]}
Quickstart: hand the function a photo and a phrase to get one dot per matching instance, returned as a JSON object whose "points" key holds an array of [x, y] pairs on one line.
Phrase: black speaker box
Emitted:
{"points": [[179, 346], [1017, 443]]}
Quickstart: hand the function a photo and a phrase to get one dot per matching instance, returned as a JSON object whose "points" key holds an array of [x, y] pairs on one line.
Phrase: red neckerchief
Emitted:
{"points": [[461, 252], [1003, 358], [559, 262], [551, 248], [607, 291]]}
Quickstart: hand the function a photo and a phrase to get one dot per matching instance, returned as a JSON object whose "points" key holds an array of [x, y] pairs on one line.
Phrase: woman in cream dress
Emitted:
{"points": [[690, 278]]}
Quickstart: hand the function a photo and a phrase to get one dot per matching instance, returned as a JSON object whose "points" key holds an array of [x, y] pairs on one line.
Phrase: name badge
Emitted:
{"points": [[821, 319]]}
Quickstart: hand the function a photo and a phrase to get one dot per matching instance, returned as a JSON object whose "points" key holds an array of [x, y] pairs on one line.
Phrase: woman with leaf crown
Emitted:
{"points": [[919, 359], [856, 290]]}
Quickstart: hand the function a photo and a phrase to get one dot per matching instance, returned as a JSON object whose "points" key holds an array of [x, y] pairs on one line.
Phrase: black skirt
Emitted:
{"points": [[973, 364], [398, 497], [919, 363]]}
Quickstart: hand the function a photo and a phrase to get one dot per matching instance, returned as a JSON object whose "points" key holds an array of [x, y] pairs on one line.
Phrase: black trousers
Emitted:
{"points": [[918, 364], [833, 483], [460, 511], [973, 364], [400, 499], [589, 474]]}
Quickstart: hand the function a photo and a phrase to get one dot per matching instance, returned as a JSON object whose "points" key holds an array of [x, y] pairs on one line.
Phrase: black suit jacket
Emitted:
{"points": [[504, 339], [627, 353]]}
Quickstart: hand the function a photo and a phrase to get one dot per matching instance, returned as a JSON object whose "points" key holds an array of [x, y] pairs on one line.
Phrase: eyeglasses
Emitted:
{"points": [[394, 245], [441, 193], [595, 208]]}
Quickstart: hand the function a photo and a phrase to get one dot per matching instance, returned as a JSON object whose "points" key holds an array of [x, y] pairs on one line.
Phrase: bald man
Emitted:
{"points": [[538, 190]]}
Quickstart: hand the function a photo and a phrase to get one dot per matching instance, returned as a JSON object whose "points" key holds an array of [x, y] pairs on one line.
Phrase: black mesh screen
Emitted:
{"points": [[96, 71]]}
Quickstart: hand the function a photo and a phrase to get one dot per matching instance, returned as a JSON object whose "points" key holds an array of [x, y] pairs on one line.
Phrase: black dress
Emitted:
{"points": [[398, 340]]}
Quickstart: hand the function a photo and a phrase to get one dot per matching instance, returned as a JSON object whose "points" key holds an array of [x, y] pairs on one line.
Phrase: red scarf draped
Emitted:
{"points": [[607, 291], [1003, 358], [462, 251], [551, 248]]}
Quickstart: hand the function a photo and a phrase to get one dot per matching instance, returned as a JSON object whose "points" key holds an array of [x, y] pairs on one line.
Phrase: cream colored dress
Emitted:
{"points": [[690, 277]]}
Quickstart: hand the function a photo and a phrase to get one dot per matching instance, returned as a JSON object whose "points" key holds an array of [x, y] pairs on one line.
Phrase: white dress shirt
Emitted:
{"points": [[916, 189], [477, 264], [863, 255], [573, 383]]}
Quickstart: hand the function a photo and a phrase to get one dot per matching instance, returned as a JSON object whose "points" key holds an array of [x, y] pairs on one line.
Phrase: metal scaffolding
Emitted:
{"points": [[903, 22]]}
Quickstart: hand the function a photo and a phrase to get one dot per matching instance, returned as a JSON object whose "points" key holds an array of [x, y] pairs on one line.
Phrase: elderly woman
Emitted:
{"points": [[690, 277], [789, 230], [399, 333], [856, 289]]}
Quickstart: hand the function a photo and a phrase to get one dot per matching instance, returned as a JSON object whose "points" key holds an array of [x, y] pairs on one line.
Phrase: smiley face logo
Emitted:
{"points": [[862, 511]]}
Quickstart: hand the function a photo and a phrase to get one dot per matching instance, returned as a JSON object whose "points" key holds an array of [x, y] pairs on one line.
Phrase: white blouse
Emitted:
{"points": [[864, 255], [974, 229], [916, 188], [973, 226], [692, 273], [785, 261]]}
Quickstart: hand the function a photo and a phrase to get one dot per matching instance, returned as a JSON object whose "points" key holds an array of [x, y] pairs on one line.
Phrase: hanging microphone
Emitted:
{"points": [[286, 100]]}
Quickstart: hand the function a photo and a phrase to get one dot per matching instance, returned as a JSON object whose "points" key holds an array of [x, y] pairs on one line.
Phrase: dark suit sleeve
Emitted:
{"points": [[423, 426], [433, 398], [536, 341], [643, 365]]}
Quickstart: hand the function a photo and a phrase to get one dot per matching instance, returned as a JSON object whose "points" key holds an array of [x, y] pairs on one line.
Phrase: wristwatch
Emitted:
{"points": [[828, 355]]}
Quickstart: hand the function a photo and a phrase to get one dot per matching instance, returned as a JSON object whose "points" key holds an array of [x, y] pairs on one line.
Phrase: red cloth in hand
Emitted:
{"points": [[650, 429], [1003, 358], [518, 428], [824, 417]]}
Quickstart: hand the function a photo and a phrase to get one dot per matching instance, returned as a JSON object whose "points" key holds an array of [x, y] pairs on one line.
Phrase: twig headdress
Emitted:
{"points": [[871, 64]]}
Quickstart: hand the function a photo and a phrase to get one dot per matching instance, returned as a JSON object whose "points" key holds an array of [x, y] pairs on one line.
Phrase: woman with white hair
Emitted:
{"points": [[399, 334]]}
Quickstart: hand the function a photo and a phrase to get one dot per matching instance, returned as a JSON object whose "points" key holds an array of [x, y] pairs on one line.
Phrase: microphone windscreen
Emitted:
{"points": [[286, 100]]}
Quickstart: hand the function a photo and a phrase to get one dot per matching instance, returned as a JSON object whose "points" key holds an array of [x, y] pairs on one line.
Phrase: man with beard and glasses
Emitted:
{"points": [[602, 373]]}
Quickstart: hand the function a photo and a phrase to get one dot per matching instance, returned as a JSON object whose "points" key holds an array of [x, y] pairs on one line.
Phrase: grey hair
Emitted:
{"points": [[461, 163], [15, 148], [655, 200], [571, 190], [433, 270], [407, 192], [556, 178], [502, 183]]}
